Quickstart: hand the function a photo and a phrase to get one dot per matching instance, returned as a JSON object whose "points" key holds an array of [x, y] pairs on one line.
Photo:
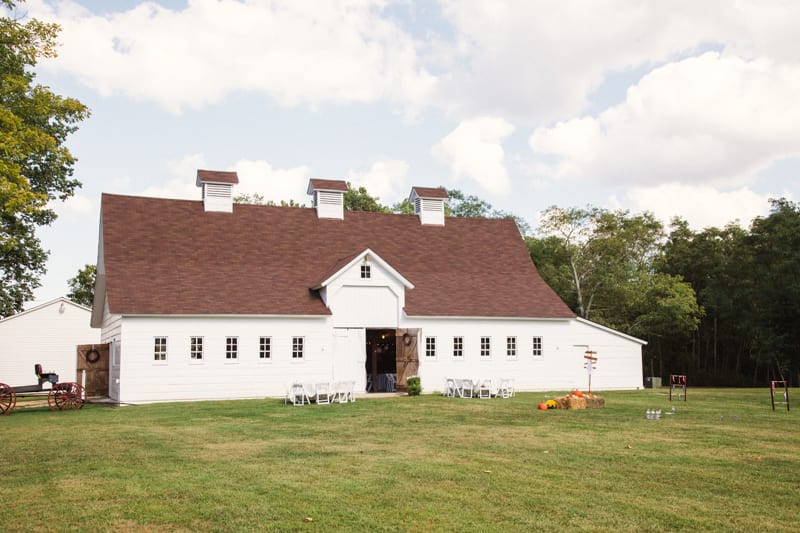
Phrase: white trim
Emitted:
{"points": [[609, 330], [357, 259], [46, 304], [517, 318], [157, 315]]}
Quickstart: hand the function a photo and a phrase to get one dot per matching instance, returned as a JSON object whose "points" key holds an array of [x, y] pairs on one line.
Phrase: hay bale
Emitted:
{"points": [[595, 402], [562, 402], [576, 403]]}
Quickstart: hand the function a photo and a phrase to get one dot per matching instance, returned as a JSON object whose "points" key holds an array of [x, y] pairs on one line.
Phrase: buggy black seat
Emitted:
{"points": [[44, 377]]}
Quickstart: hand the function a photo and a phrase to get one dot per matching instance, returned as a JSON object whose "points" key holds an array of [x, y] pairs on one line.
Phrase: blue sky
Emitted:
{"points": [[679, 108]]}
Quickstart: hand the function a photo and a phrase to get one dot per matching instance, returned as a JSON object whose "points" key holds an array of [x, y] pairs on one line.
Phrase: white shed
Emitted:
{"points": [[47, 334]]}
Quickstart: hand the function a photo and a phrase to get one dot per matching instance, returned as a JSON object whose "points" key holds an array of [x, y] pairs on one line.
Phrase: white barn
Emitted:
{"points": [[48, 334], [211, 300]]}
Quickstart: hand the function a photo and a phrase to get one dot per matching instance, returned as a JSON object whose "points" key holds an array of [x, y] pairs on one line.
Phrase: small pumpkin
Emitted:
{"points": [[543, 406], [577, 393]]}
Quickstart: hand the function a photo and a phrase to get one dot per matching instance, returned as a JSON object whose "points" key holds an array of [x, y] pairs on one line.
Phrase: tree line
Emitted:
{"points": [[720, 305]]}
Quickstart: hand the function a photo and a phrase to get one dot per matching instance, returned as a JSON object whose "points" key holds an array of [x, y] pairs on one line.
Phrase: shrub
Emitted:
{"points": [[414, 386]]}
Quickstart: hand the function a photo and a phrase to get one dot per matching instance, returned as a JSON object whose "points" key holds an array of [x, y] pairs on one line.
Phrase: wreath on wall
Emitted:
{"points": [[92, 356]]}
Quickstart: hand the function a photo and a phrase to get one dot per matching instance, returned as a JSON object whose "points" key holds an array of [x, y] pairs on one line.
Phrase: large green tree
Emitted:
{"points": [[601, 263], [35, 165], [775, 244]]}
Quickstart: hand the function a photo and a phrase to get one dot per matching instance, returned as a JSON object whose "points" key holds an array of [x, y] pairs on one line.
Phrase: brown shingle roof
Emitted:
{"points": [[327, 185], [430, 192], [171, 257], [217, 176]]}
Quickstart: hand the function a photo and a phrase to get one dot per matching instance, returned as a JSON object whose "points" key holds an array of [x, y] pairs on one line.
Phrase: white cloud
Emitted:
{"points": [[474, 151], [701, 206], [709, 119], [187, 166], [77, 204], [386, 179], [297, 52], [538, 60], [255, 176], [276, 184]]}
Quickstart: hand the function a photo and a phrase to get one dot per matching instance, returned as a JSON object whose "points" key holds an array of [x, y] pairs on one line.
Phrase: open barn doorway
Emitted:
{"points": [[381, 364]]}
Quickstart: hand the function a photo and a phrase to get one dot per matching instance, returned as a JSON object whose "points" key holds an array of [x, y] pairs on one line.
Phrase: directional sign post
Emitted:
{"points": [[589, 364]]}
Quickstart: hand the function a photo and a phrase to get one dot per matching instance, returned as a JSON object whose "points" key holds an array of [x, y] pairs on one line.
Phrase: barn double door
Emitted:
{"points": [[93, 358], [407, 356]]}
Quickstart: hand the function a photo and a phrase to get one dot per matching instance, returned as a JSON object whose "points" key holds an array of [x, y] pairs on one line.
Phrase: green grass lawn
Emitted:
{"points": [[724, 461]]}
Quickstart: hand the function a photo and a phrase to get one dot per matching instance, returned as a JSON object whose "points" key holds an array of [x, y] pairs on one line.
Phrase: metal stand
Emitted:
{"points": [[776, 385], [677, 381]]}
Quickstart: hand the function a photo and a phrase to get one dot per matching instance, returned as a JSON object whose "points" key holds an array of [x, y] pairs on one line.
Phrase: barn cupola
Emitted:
{"points": [[429, 204], [328, 197], [217, 189]]}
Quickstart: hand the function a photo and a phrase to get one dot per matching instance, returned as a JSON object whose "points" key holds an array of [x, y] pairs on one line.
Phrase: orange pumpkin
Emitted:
{"points": [[543, 406], [577, 393]]}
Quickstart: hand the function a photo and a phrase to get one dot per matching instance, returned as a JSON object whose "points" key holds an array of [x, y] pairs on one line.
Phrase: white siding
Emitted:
{"points": [[559, 368], [142, 379], [47, 336], [112, 325]]}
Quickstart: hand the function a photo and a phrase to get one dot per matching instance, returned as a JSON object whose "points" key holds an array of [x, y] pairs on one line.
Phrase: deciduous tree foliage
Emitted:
{"points": [[81, 287], [601, 263], [35, 165]]}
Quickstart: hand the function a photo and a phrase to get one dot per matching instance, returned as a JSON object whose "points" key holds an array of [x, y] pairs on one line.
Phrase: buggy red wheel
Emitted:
{"points": [[65, 396], [8, 399]]}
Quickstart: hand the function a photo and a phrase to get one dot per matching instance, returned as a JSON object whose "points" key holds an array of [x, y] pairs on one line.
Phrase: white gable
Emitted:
{"points": [[365, 292]]}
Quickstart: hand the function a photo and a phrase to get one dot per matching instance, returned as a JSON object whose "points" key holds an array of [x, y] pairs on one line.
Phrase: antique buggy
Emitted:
{"points": [[60, 396]]}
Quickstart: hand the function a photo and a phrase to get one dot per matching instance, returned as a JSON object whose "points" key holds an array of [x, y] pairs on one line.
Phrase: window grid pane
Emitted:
{"points": [[458, 346], [430, 346], [231, 348], [196, 348], [511, 346], [160, 349], [265, 347], [486, 346], [366, 272], [297, 347], [537, 346]]}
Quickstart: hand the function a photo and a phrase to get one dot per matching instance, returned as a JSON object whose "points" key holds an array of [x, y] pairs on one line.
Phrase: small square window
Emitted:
{"points": [[264, 347], [486, 346], [458, 346], [231, 348], [430, 346], [537, 346], [297, 347], [196, 348], [366, 272], [511, 346], [160, 349]]}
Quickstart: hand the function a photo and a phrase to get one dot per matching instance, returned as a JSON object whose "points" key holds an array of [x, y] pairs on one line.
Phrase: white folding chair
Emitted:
{"points": [[296, 394], [450, 388], [350, 388], [503, 390], [467, 386], [485, 389], [323, 393]]}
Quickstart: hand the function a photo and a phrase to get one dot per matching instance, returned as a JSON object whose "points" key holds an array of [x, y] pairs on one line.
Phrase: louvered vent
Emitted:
{"points": [[434, 206], [214, 190], [329, 203], [429, 210], [329, 198]]}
